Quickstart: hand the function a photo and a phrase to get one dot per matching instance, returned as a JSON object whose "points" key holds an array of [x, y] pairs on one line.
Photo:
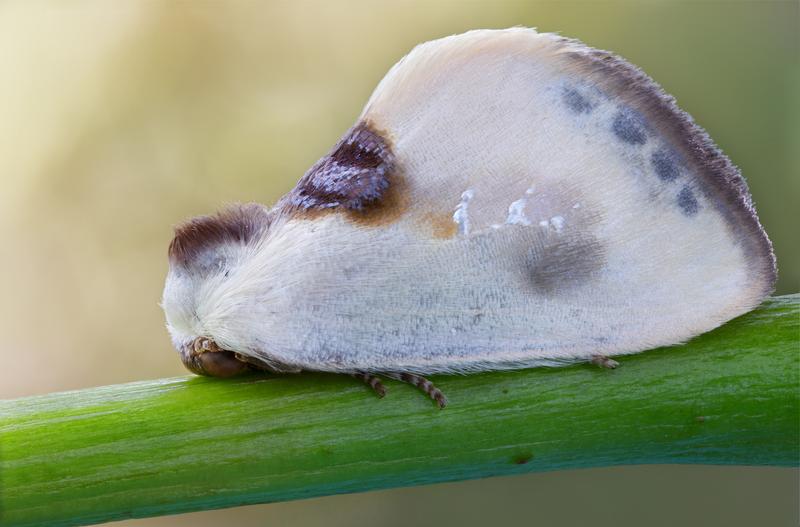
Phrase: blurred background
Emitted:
{"points": [[120, 119]]}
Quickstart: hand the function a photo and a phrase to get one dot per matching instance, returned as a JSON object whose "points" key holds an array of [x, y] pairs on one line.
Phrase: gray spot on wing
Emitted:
{"points": [[666, 165], [629, 127], [716, 177], [688, 202], [576, 101], [565, 262]]}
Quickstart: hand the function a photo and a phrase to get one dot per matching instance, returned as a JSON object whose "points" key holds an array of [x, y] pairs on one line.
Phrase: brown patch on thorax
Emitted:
{"points": [[238, 223]]}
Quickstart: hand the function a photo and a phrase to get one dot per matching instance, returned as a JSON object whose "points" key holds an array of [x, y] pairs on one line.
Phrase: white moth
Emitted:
{"points": [[507, 199]]}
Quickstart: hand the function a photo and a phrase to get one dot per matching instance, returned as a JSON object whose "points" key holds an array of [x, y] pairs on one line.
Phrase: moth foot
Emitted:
{"points": [[373, 381], [423, 384], [604, 362], [203, 344]]}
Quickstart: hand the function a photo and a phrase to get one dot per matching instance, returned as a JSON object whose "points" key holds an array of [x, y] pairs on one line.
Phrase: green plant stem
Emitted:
{"points": [[189, 443]]}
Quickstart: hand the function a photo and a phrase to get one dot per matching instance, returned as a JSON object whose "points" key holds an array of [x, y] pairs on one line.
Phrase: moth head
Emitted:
{"points": [[204, 257]]}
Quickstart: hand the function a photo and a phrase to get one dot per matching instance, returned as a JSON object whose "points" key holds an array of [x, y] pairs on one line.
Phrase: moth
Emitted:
{"points": [[506, 199]]}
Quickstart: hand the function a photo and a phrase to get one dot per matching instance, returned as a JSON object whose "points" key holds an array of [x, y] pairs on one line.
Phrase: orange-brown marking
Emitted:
{"points": [[442, 225]]}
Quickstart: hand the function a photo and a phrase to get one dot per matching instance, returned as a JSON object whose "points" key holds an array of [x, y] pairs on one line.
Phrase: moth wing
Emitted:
{"points": [[512, 129], [509, 199]]}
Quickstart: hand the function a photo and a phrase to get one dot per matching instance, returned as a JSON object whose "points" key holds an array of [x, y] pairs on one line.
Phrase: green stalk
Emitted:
{"points": [[189, 443]]}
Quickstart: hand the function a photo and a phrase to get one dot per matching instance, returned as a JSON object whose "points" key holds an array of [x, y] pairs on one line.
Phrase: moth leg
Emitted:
{"points": [[423, 384], [373, 382], [604, 362], [203, 344]]}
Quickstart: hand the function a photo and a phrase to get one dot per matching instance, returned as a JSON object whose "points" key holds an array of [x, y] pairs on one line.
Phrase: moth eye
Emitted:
{"points": [[217, 364], [222, 364]]}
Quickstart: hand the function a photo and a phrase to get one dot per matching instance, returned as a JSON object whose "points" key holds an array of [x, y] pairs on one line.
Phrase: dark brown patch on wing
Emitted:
{"points": [[355, 175], [393, 203], [719, 180], [238, 223]]}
